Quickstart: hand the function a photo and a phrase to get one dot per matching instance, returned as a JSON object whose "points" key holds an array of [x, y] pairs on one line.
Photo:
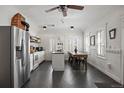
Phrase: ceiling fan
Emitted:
{"points": [[63, 8]]}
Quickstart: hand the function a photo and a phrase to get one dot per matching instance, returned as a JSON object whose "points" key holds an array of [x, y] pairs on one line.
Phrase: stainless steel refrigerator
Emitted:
{"points": [[14, 57]]}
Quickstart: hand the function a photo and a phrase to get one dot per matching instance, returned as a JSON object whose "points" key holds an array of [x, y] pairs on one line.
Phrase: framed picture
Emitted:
{"points": [[112, 33], [92, 40]]}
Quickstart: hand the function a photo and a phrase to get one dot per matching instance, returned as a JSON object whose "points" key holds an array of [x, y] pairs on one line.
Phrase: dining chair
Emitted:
{"points": [[84, 61], [70, 58]]}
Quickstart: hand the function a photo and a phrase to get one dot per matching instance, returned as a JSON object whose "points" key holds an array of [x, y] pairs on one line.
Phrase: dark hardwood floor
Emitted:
{"points": [[72, 77]]}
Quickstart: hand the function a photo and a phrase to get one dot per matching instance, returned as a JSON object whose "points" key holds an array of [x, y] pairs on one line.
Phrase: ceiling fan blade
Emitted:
{"points": [[64, 13], [52, 9], [75, 7]]}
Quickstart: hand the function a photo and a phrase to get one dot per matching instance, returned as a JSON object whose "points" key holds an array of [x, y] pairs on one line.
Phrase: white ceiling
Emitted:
{"points": [[83, 19]]}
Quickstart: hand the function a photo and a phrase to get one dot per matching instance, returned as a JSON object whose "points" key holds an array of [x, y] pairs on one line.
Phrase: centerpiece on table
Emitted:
{"points": [[75, 50]]}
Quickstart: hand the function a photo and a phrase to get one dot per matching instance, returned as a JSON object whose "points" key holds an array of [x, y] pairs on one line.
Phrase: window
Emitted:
{"points": [[51, 45], [87, 43], [72, 42], [101, 39], [68, 44]]}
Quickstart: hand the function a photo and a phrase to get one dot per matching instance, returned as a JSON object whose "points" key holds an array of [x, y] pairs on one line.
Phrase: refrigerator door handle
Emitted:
{"points": [[22, 53]]}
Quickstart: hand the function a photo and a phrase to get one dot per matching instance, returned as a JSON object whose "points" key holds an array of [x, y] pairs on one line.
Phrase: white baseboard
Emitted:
{"points": [[113, 77]]}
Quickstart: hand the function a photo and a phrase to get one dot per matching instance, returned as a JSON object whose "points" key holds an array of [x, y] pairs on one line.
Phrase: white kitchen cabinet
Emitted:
{"points": [[58, 61]]}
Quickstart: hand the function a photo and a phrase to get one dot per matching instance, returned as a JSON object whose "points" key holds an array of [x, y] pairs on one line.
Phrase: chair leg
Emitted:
{"points": [[74, 61], [71, 61], [68, 60], [85, 65], [79, 62]]}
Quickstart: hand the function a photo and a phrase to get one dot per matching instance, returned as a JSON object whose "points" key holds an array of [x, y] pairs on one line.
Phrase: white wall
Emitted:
{"points": [[111, 65], [62, 32], [7, 12]]}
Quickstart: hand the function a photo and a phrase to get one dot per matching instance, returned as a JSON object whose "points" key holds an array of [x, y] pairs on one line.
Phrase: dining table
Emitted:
{"points": [[81, 56]]}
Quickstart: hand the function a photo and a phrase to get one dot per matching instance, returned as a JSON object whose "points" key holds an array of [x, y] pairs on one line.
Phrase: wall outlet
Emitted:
{"points": [[109, 65]]}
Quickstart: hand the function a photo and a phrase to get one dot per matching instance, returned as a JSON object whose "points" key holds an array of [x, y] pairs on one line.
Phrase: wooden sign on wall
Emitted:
{"points": [[16, 21]]}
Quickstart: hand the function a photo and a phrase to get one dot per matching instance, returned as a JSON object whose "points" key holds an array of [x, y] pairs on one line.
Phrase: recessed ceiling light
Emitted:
{"points": [[44, 27]]}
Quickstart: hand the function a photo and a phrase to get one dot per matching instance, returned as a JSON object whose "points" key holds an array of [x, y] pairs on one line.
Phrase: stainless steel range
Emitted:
{"points": [[36, 58]]}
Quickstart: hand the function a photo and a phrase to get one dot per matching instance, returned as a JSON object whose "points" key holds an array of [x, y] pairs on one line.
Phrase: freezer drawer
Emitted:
{"points": [[20, 72]]}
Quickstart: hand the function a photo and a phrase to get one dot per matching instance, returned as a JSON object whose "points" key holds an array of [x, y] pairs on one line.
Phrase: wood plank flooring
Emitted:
{"points": [[45, 77]]}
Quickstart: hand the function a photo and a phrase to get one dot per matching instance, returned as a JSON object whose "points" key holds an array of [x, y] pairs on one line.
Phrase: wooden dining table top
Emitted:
{"points": [[78, 54]]}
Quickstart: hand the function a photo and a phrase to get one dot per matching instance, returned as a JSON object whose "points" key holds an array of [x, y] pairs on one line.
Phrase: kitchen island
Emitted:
{"points": [[58, 61]]}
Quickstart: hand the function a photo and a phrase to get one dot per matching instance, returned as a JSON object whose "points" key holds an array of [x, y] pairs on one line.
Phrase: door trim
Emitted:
{"points": [[122, 48]]}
